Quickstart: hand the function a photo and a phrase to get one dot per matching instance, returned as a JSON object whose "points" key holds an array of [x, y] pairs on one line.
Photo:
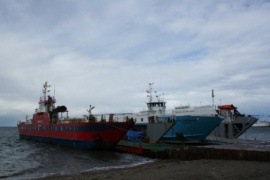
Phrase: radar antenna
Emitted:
{"points": [[149, 91]]}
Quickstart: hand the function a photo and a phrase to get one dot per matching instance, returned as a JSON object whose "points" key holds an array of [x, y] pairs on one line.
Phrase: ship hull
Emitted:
{"points": [[190, 128], [91, 135], [232, 129], [148, 135]]}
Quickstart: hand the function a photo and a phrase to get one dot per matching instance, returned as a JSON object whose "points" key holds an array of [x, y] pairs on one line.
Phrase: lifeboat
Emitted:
{"points": [[227, 107]]}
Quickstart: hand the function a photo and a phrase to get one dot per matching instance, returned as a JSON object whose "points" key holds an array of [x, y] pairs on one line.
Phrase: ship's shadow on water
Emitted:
{"points": [[22, 159]]}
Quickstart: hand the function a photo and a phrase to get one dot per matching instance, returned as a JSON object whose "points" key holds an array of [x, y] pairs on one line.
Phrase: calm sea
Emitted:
{"points": [[22, 159], [257, 134]]}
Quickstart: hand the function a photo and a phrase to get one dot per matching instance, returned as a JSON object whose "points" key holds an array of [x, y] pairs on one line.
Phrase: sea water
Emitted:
{"points": [[257, 134], [22, 159]]}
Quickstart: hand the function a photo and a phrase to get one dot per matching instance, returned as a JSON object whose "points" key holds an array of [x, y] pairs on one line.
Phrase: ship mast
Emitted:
{"points": [[157, 106], [149, 91], [45, 90], [90, 110], [213, 98], [46, 104]]}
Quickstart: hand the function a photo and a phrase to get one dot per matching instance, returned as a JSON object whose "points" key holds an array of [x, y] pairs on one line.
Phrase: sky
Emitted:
{"points": [[104, 53]]}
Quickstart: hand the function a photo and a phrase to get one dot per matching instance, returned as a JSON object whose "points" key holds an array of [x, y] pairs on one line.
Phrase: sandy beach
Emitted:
{"points": [[176, 169]]}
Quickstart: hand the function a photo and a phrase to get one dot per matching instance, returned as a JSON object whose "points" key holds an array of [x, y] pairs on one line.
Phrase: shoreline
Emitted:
{"points": [[177, 169]]}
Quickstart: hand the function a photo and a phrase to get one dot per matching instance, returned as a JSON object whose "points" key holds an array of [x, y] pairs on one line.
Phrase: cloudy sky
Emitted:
{"points": [[105, 53]]}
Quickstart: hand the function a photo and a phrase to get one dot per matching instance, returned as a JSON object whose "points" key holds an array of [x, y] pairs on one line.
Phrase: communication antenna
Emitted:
{"points": [[149, 91], [213, 98], [54, 90]]}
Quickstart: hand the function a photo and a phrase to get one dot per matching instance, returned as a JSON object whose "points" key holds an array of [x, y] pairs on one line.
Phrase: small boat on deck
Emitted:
{"points": [[233, 125]]}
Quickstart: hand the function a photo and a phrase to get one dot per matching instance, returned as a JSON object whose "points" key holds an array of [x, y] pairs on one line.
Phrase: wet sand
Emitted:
{"points": [[176, 169]]}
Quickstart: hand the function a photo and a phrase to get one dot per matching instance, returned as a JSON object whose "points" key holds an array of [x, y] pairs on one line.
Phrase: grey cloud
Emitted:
{"points": [[104, 53]]}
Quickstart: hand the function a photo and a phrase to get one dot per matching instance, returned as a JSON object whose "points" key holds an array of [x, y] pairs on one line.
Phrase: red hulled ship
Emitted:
{"points": [[51, 124]]}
